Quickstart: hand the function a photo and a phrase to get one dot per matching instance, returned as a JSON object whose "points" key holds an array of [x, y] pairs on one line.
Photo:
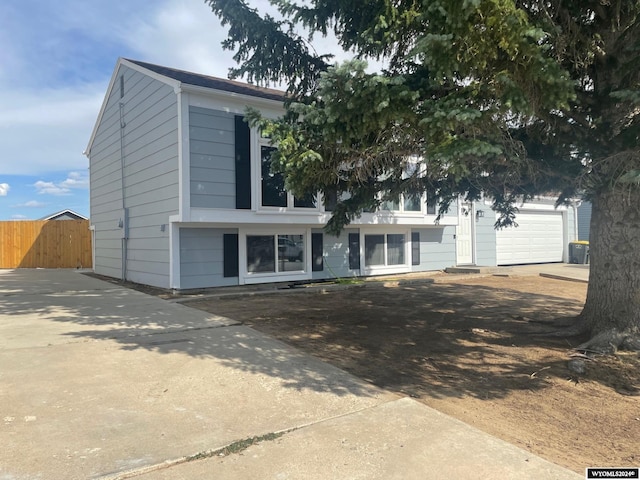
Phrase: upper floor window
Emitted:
{"points": [[273, 192], [406, 203]]}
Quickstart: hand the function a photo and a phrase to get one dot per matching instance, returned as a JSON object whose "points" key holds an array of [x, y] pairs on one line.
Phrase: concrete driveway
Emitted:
{"points": [[98, 381]]}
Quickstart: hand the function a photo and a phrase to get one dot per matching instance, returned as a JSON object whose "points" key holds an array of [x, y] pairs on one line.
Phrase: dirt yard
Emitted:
{"points": [[467, 347]]}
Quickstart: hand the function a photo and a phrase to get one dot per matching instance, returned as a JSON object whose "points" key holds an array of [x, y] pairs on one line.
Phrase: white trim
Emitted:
{"points": [[121, 62], [541, 207], [385, 269], [150, 73], [184, 157], [308, 216], [471, 219], [62, 212], [246, 278], [92, 229], [174, 252], [565, 236], [103, 107], [257, 143], [223, 99]]}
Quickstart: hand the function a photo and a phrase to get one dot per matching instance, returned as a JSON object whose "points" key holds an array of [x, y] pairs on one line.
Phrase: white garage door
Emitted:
{"points": [[538, 238]]}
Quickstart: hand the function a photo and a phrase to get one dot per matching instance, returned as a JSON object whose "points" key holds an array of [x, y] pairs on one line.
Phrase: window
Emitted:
{"points": [[272, 184], [260, 254], [412, 202], [382, 250], [306, 202], [395, 249], [273, 192], [275, 253], [373, 250], [431, 208], [390, 205], [408, 202]]}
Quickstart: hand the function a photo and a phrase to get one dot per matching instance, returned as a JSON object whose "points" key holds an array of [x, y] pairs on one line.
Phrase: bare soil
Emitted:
{"points": [[469, 347]]}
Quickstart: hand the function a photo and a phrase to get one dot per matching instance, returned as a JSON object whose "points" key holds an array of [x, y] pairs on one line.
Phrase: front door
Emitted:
{"points": [[464, 234]]}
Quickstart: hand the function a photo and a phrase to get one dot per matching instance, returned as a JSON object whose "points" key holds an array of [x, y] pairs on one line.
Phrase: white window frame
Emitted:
{"points": [[258, 141], [401, 203], [385, 269], [247, 277]]}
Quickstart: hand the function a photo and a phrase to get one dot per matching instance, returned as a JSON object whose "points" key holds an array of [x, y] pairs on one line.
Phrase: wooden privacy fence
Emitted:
{"points": [[45, 244]]}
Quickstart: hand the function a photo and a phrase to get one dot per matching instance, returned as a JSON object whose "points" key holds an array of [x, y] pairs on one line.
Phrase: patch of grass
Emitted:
{"points": [[349, 281], [236, 447]]}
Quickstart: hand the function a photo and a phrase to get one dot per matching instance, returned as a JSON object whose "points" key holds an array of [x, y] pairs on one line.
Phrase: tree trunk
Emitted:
{"points": [[612, 308]]}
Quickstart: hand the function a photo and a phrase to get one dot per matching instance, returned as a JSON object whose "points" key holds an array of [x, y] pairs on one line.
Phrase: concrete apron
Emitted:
{"points": [[97, 381]]}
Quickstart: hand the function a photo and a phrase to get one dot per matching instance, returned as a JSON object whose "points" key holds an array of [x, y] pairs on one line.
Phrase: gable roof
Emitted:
{"points": [[177, 78], [216, 83], [69, 213]]}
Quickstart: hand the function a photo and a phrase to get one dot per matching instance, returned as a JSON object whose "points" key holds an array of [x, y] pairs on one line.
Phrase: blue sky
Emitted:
{"points": [[56, 61]]}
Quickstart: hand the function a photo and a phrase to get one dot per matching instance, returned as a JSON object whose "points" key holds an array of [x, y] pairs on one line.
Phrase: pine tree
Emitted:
{"points": [[503, 99]]}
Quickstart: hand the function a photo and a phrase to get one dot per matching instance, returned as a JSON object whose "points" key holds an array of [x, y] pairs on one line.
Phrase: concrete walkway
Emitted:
{"points": [[102, 382], [561, 271]]}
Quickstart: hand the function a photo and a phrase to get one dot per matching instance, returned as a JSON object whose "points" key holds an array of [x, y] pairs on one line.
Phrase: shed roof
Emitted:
{"points": [[70, 214]]}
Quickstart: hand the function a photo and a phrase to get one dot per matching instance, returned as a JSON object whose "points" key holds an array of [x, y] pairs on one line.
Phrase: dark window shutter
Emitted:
{"points": [[243, 163], [415, 248], [230, 254], [354, 251], [317, 262]]}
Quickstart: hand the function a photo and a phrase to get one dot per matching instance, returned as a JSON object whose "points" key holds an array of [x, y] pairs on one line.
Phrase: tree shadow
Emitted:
{"points": [[437, 340], [47, 307]]}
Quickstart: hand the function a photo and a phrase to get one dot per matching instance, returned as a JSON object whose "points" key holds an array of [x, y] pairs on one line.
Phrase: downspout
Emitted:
{"points": [[125, 216]]}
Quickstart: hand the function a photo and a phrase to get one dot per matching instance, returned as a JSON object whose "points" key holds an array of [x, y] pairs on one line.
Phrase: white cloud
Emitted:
{"points": [[19, 217], [50, 188], [31, 204], [57, 59], [4, 189], [75, 180], [181, 34], [160, 38], [47, 131]]}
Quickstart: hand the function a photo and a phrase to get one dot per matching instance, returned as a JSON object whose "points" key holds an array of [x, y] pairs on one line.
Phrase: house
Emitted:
{"points": [[64, 215], [182, 197]]}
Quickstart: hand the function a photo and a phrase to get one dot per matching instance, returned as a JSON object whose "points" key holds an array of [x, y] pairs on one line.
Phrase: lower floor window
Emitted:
{"points": [[275, 253], [384, 249]]}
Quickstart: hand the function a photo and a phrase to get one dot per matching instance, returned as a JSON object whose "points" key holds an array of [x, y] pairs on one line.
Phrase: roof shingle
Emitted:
{"points": [[215, 83]]}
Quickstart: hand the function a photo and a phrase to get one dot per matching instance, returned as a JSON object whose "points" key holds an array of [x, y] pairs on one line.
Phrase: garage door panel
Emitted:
{"points": [[539, 238]]}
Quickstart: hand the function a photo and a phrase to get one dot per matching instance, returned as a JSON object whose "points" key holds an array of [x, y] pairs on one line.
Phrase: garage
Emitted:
{"points": [[538, 238]]}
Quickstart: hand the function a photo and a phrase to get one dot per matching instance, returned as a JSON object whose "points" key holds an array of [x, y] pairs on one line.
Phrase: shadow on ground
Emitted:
{"points": [[439, 340], [44, 311]]}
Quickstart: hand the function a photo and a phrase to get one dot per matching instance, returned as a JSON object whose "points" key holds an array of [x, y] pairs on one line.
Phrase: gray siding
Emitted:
{"points": [[584, 221], [336, 255], [212, 152], [202, 258], [485, 237], [150, 179], [437, 248]]}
